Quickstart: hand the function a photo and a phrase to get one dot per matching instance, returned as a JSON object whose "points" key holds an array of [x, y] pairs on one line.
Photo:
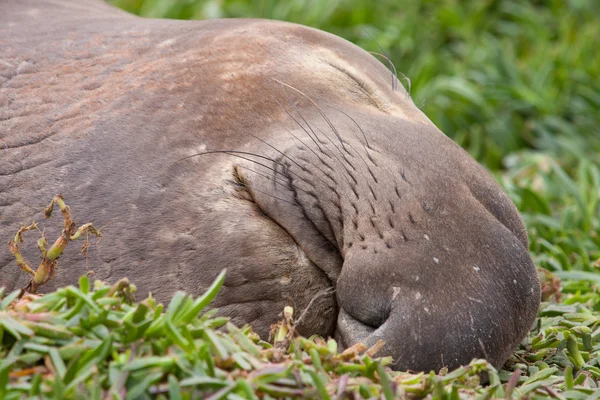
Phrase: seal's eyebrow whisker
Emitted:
{"points": [[407, 79], [391, 66], [384, 55]]}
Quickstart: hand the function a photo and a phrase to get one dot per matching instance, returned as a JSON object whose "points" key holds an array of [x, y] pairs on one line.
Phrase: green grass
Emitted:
{"points": [[560, 207], [82, 343]]}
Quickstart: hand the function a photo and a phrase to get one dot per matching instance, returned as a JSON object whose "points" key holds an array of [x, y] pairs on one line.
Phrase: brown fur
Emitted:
{"points": [[333, 179]]}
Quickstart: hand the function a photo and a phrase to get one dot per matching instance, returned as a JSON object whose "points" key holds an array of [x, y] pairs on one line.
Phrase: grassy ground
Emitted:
{"points": [[515, 83], [76, 333], [80, 343]]}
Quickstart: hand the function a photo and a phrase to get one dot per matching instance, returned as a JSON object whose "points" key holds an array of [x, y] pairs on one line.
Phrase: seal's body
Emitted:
{"points": [[280, 152]]}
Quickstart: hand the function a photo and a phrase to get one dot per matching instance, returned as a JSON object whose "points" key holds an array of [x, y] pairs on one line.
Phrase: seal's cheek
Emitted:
{"points": [[266, 269]]}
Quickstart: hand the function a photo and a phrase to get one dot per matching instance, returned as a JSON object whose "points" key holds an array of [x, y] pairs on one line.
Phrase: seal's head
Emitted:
{"points": [[425, 250]]}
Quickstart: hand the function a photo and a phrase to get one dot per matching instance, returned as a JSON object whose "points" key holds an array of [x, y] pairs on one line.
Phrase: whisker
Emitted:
{"points": [[267, 177], [365, 136], [277, 150], [407, 79], [383, 53], [301, 116], [319, 110], [341, 154], [335, 131], [343, 164], [303, 168], [391, 66], [298, 139], [233, 153], [355, 123], [284, 184], [295, 203], [305, 131], [236, 153]]}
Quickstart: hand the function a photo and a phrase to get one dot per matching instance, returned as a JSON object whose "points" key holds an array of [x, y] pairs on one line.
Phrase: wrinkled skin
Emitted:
{"points": [[339, 181]]}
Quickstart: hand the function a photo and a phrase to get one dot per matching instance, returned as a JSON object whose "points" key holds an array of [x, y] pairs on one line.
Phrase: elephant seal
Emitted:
{"points": [[278, 151]]}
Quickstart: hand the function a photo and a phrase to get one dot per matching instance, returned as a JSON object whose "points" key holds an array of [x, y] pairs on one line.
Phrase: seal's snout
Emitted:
{"points": [[465, 289], [426, 252]]}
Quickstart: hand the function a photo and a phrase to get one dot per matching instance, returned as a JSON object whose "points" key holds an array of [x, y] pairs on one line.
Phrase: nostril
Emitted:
{"points": [[372, 317], [349, 330], [367, 301], [381, 316]]}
